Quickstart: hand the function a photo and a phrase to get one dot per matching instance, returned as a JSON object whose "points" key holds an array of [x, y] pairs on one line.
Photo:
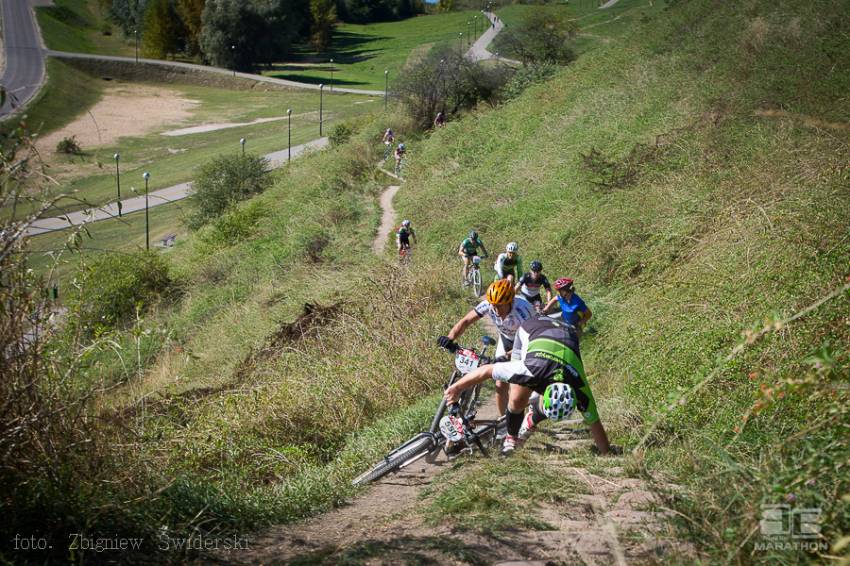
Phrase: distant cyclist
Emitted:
{"points": [[389, 137], [507, 312], [530, 283], [440, 120], [573, 309], [509, 264], [469, 249], [399, 153], [403, 235], [545, 360]]}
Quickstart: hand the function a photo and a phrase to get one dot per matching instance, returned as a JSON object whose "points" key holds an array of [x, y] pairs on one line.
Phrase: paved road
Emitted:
{"points": [[24, 54], [156, 198], [207, 69], [478, 51]]}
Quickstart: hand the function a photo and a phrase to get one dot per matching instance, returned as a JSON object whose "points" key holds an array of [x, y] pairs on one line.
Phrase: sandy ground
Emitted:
{"points": [[387, 219], [124, 110]]}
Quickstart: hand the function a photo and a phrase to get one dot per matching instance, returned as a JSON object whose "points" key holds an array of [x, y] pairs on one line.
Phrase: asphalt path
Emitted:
{"points": [[24, 71], [155, 198]]}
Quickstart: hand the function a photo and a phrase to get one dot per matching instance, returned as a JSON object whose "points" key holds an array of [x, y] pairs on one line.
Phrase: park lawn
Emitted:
{"points": [[172, 160], [362, 53], [79, 26], [126, 234]]}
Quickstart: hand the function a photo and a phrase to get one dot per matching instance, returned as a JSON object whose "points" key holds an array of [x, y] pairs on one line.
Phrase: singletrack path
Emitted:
{"points": [[388, 219]]}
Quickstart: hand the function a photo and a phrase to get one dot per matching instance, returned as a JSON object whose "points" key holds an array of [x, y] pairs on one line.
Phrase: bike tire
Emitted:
{"points": [[395, 460], [476, 282]]}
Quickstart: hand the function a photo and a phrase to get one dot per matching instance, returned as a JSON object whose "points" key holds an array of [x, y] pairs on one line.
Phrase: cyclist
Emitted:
{"points": [[573, 309], [399, 155], [508, 264], [440, 120], [403, 235], [469, 249], [529, 284], [507, 312], [388, 139], [545, 358]]}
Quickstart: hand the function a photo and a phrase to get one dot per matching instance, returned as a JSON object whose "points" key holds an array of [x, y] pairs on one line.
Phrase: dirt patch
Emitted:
{"points": [[124, 110], [809, 121], [387, 219]]}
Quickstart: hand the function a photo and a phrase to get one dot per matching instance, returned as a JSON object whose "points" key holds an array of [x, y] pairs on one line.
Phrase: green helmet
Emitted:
{"points": [[557, 402]]}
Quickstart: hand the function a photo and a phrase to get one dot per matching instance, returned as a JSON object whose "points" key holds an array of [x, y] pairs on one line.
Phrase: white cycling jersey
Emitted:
{"points": [[521, 310]]}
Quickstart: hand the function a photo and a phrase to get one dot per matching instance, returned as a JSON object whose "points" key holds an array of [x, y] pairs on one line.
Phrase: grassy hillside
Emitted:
{"points": [[81, 27], [691, 177]]}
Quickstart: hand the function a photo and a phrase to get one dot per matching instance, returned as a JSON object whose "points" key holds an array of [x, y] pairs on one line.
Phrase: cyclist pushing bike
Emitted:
{"points": [[531, 282], [509, 264], [507, 312], [573, 309], [469, 249], [403, 235], [545, 360]]}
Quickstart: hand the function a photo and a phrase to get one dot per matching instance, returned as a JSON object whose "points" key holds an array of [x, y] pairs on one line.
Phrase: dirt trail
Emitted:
{"points": [[387, 219], [614, 521]]}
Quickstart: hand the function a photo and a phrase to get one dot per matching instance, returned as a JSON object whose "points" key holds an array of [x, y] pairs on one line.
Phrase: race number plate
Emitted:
{"points": [[466, 361]]}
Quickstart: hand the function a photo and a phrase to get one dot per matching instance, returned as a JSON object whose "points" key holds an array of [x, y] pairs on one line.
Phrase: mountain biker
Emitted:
{"points": [[388, 136], [469, 249], [507, 312], [403, 235], [529, 285], [574, 311], [508, 264], [399, 153], [545, 352], [440, 120]]}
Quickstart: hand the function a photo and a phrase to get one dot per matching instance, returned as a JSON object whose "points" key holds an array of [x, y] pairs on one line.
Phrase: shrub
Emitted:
{"points": [[340, 134], [445, 81], [111, 287], [234, 226], [527, 76], [224, 181], [69, 146], [543, 35]]}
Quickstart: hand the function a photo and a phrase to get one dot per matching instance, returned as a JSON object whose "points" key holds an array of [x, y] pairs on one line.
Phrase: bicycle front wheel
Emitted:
{"points": [[476, 282], [395, 460]]}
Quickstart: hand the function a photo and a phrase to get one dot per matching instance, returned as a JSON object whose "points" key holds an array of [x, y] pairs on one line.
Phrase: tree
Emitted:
{"points": [[323, 17], [542, 36], [162, 32], [240, 34], [225, 181], [190, 14]]}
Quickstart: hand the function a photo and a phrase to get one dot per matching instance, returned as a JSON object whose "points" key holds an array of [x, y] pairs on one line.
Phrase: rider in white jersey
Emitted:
{"points": [[508, 312]]}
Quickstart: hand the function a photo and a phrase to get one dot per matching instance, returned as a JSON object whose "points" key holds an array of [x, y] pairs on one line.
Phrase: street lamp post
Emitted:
{"points": [[147, 176], [289, 136], [242, 143], [468, 28], [321, 101], [136, 33], [117, 156], [386, 86], [460, 43], [233, 52], [332, 75]]}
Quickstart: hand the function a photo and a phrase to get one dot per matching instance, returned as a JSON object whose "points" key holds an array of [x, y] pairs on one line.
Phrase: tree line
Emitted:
{"points": [[243, 34]]}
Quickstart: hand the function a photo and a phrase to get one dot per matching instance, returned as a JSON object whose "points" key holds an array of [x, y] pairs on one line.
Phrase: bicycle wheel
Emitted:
{"points": [[476, 282], [394, 460]]}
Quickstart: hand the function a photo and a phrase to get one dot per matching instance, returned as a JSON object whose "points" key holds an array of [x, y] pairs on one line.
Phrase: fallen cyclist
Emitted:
{"points": [[507, 312], [545, 360]]}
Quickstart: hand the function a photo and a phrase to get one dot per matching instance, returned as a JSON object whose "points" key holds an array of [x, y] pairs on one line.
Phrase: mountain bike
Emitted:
{"points": [[388, 150], [404, 254], [399, 167], [457, 432], [473, 276]]}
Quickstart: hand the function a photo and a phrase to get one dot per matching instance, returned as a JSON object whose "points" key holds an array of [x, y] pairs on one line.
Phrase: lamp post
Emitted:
{"points": [[468, 28], [233, 52], [136, 33], [242, 143], [289, 135], [460, 43], [321, 93], [117, 156], [386, 86], [332, 75], [147, 176]]}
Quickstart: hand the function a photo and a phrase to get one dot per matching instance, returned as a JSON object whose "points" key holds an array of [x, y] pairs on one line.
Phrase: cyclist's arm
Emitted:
{"points": [[460, 250], [548, 308], [458, 329], [480, 243], [478, 375], [413, 233], [500, 266], [584, 316]]}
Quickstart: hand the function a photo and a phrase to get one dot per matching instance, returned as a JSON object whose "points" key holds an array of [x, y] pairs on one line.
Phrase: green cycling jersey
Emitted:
{"points": [[470, 246]]}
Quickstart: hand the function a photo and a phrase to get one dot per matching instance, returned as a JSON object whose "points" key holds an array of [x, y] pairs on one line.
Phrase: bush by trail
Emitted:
{"points": [[224, 181]]}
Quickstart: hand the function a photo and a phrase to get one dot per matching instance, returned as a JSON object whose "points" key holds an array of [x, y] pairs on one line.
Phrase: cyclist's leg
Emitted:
{"points": [[502, 388], [466, 261]]}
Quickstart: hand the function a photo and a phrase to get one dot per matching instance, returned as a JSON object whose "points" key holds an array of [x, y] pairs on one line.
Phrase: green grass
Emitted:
{"points": [[78, 26], [53, 107], [362, 53], [172, 160]]}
